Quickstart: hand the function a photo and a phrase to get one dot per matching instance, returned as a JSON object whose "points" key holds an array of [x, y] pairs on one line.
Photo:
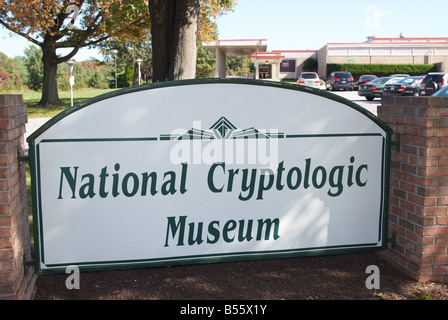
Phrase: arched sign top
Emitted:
{"points": [[173, 84], [208, 170]]}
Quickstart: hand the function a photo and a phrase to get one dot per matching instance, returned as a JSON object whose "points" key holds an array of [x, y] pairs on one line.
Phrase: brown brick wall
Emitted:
{"points": [[418, 201], [16, 281]]}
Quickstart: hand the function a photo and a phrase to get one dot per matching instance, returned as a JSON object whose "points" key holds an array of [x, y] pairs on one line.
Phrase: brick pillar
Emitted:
{"points": [[418, 201], [16, 280]]}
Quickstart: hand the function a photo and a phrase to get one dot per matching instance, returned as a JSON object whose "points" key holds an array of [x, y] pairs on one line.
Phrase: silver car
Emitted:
{"points": [[309, 79]]}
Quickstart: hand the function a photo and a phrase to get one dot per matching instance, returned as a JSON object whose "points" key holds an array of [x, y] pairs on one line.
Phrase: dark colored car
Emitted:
{"points": [[433, 82], [340, 80], [405, 87], [364, 79], [373, 89]]}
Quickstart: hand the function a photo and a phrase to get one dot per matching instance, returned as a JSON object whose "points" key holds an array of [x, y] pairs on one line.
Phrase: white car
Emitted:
{"points": [[309, 79]]}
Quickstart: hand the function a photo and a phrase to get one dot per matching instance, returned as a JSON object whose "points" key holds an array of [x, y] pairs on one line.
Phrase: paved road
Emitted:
{"points": [[353, 96], [33, 124]]}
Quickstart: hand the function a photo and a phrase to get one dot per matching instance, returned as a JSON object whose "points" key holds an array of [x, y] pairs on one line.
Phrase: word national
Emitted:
{"points": [[246, 183]]}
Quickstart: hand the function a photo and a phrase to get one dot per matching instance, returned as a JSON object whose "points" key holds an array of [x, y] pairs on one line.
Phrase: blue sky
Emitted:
{"points": [[301, 25]]}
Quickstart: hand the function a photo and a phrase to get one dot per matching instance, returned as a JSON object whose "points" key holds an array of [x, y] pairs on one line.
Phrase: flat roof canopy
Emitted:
{"points": [[237, 47], [267, 57]]}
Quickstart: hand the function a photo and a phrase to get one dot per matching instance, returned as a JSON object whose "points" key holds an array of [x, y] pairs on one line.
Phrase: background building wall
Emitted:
{"points": [[387, 51], [299, 56]]}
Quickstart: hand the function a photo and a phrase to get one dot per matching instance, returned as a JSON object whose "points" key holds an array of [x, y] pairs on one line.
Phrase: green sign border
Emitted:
{"points": [[209, 258]]}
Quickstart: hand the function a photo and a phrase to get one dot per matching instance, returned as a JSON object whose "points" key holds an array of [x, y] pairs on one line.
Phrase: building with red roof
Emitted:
{"points": [[288, 64]]}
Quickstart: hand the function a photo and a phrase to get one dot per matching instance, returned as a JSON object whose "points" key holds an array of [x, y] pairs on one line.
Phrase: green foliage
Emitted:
{"points": [[310, 65], [26, 72], [205, 63], [98, 80], [380, 70], [422, 295], [239, 66], [129, 76], [128, 50], [34, 66], [378, 296], [11, 74]]}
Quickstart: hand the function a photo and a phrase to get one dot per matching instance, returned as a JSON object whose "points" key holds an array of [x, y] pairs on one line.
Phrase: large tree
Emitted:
{"points": [[174, 28], [57, 24]]}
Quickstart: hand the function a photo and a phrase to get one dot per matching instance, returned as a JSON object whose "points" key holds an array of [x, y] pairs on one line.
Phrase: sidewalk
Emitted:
{"points": [[32, 125]]}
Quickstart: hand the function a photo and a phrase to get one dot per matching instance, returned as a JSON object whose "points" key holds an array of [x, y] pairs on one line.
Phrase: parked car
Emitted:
{"points": [[441, 93], [364, 79], [405, 87], [373, 89], [399, 75], [309, 79], [433, 82], [340, 80]]}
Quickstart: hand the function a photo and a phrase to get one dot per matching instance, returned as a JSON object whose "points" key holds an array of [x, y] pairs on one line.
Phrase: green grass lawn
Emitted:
{"points": [[32, 98]]}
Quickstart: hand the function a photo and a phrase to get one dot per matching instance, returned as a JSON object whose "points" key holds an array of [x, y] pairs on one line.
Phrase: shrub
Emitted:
{"points": [[310, 64], [98, 80], [4, 77], [422, 295], [380, 70]]}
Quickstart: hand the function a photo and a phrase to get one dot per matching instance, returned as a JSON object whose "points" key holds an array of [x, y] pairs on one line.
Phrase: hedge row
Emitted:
{"points": [[380, 70]]}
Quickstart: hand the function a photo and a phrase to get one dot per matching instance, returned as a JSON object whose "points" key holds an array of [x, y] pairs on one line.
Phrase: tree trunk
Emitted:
{"points": [[50, 86], [174, 27], [160, 12]]}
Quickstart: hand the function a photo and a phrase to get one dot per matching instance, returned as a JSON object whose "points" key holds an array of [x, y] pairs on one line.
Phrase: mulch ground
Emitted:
{"points": [[334, 277]]}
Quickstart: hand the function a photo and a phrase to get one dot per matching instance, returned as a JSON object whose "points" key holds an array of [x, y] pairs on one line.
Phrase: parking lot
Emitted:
{"points": [[372, 88], [353, 96]]}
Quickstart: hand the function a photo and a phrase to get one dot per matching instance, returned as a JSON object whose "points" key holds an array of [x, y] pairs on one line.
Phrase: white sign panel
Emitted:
{"points": [[202, 171]]}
